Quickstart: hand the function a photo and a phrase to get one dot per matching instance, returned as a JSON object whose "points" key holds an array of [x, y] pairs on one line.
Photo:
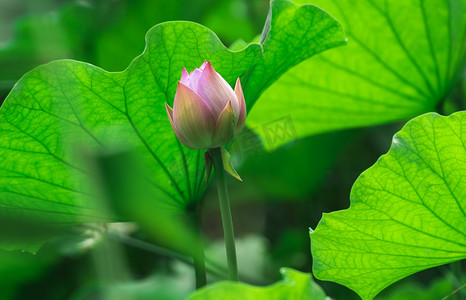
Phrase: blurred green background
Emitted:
{"points": [[283, 193]]}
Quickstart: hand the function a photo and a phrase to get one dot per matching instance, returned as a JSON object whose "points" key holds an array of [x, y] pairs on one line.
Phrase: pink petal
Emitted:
{"points": [[242, 107], [177, 132], [216, 91], [225, 127], [203, 65], [193, 80], [184, 77], [193, 117]]}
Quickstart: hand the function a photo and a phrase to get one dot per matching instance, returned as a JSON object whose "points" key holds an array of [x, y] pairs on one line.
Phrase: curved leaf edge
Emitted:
{"points": [[137, 58], [290, 279]]}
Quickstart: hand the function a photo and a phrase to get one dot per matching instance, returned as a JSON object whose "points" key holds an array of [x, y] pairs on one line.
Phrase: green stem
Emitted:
{"points": [[226, 213], [198, 254]]}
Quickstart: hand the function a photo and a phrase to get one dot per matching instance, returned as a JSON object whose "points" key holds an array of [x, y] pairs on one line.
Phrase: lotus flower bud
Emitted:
{"points": [[206, 113]]}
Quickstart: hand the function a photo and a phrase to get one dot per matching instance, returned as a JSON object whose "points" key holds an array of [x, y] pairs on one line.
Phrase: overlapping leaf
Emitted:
{"points": [[407, 212], [401, 60], [292, 33], [295, 285]]}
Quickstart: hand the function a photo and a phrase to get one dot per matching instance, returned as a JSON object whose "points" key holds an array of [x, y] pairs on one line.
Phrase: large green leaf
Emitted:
{"points": [[407, 212], [402, 58], [66, 106], [63, 109], [295, 285]]}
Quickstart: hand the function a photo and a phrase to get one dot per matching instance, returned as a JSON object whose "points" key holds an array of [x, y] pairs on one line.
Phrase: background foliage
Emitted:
{"points": [[323, 117]]}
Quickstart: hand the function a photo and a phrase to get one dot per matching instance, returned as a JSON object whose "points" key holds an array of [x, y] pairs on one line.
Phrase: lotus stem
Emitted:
{"points": [[225, 210]]}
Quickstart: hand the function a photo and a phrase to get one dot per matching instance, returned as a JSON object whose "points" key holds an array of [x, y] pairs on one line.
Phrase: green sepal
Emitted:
{"points": [[208, 166], [227, 164]]}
